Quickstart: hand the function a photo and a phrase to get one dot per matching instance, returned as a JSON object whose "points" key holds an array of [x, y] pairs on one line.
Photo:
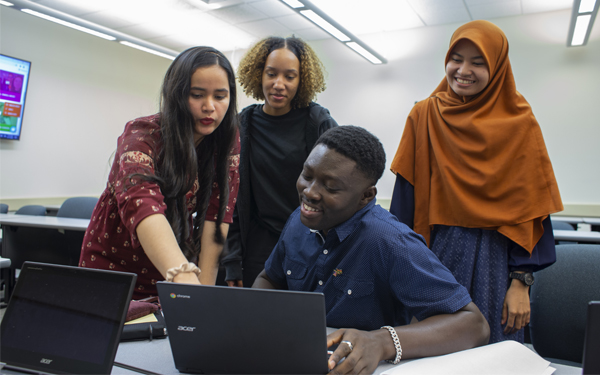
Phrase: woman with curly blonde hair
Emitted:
{"points": [[276, 137]]}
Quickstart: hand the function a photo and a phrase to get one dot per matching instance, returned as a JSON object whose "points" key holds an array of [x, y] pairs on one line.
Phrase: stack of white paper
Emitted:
{"points": [[506, 357]]}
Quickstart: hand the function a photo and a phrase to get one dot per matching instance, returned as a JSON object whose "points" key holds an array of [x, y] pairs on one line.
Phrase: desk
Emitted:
{"points": [[41, 239], [577, 236], [52, 222], [156, 356]]}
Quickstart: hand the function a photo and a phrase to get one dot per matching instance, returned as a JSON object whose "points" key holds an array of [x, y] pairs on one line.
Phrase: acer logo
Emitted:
{"points": [[46, 361], [185, 328]]}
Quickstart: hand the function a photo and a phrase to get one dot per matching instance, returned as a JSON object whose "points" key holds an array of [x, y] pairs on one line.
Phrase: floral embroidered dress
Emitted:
{"points": [[110, 241]]}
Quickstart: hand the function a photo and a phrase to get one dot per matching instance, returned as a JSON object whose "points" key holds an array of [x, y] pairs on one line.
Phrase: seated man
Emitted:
{"points": [[373, 270]]}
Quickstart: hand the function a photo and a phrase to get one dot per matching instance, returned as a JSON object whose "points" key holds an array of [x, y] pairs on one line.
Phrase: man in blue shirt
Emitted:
{"points": [[373, 270]]}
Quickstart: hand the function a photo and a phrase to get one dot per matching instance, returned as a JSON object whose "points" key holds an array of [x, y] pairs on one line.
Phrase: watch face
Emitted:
{"points": [[528, 279]]}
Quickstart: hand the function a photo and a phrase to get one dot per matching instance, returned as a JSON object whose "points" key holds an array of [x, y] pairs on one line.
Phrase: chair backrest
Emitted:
{"points": [[32, 209], [3, 208], [77, 207], [562, 225], [559, 299]]}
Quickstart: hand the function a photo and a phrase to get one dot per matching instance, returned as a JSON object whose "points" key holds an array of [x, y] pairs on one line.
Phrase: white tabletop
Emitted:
{"points": [[44, 222], [156, 356], [576, 235]]}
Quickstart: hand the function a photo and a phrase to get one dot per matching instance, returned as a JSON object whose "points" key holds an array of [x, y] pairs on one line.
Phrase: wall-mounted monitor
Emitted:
{"points": [[14, 79]]}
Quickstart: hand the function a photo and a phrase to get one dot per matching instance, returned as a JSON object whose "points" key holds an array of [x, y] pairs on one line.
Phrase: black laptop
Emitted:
{"points": [[591, 348], [222, 330], [65, 320]]}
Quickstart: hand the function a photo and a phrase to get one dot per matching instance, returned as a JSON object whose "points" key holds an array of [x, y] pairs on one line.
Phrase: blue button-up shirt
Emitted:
{"points": [[373, 270]]}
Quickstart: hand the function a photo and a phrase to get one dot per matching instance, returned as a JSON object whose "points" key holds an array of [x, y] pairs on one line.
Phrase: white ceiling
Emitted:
{"points": [[179, 24]]}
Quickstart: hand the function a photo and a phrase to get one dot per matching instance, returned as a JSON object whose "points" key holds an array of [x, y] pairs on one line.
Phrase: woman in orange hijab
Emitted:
{"points": [[475, 180]]}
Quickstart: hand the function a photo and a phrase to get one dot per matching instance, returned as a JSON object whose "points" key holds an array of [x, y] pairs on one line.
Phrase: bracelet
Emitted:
{"points": [[185, 267], [396, 345]]}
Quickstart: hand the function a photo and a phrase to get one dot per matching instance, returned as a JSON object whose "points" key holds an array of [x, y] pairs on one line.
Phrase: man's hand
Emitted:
{"points": [[368, 349], [516, 308], [235, 283]]}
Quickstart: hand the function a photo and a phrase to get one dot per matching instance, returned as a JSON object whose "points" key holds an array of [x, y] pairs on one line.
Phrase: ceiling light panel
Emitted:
{"points": [[587, 6]]}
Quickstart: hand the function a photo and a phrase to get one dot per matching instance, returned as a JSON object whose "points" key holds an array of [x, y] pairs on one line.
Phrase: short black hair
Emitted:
{"points": [[358, 144]]}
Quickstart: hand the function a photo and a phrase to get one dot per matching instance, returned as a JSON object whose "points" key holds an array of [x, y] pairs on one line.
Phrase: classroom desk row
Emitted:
{"points": [[156, 356], [53, 222], [41, 239]]}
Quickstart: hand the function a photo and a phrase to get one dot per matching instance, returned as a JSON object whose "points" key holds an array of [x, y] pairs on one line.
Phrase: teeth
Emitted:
{"points": [[464, 81], [309, 208]]}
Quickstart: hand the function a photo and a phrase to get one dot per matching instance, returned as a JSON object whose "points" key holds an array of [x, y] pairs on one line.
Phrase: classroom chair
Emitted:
{"points": [[77, 207], [32, 209], [559, 299]]}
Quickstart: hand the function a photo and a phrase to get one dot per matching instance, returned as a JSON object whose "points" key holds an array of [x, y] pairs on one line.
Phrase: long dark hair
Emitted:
{"points": [[180, 161]]}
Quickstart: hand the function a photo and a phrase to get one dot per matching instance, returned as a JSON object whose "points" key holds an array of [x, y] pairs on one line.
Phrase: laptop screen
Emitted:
{"points": [[64, 319]]}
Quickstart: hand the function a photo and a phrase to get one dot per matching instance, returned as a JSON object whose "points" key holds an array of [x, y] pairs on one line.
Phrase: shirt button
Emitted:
{"points": [[320, 282], [325, 251], [289, 272], [349, 291]]}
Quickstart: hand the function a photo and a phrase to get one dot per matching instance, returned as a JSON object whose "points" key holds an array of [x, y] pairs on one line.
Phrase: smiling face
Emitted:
{"points": [[466, 71], [280, 80], [331, 189], [208, 100]]}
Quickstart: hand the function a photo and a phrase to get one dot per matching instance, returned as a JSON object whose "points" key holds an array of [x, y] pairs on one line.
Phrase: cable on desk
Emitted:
{"points": [[136, 369]]}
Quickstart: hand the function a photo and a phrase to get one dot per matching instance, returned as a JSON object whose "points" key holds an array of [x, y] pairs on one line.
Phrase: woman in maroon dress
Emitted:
{"points": [[171, 191]]}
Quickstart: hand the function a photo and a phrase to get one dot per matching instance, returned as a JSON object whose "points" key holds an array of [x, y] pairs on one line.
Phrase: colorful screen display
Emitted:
{"points": [[14, 78]]}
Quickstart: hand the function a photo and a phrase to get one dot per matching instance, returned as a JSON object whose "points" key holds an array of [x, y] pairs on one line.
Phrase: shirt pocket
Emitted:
{"points": [[352, 287], [294, 270]]}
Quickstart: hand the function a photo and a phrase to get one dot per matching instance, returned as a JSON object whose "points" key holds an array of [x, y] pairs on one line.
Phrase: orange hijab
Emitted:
{"points": [[481, 161]]}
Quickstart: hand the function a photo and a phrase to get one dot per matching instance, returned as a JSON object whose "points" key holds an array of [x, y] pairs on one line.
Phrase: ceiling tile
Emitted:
{"points": [[73, 8], [313, 33], [106, 19], [537, 6], [455, 15], [438, 12], [424, 6], [491, 10], [238, 14], [264, 28], [273, 8], [142, 31], [296, 22]]}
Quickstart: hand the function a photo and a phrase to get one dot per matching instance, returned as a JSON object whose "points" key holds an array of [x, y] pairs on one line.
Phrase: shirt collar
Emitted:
{"points": [[347, 227]]}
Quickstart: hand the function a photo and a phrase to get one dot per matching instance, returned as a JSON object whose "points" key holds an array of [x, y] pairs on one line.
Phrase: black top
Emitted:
{"points": [[276, 157]]}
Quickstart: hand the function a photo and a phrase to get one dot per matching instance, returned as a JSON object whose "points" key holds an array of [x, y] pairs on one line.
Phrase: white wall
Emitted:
{"points": [[83, 89]]}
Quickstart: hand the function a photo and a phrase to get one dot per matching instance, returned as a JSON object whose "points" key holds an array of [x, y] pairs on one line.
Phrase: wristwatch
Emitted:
{"points": [[525, 277]]}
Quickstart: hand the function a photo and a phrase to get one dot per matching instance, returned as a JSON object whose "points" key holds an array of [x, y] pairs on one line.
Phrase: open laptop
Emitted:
{"points": [[64, 320], [591, 346], [222, 330]]}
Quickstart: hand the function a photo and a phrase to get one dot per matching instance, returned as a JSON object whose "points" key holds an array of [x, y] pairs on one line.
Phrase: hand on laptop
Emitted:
{"points": [[236, 283], [362, 355]]}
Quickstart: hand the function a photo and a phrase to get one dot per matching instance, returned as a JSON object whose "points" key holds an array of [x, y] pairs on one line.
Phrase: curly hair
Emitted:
{"points": [[358, 144], [312, 79]]}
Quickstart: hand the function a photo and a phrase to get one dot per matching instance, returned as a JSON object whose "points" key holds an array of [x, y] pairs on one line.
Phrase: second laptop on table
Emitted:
{"points": [[222, 330]]}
